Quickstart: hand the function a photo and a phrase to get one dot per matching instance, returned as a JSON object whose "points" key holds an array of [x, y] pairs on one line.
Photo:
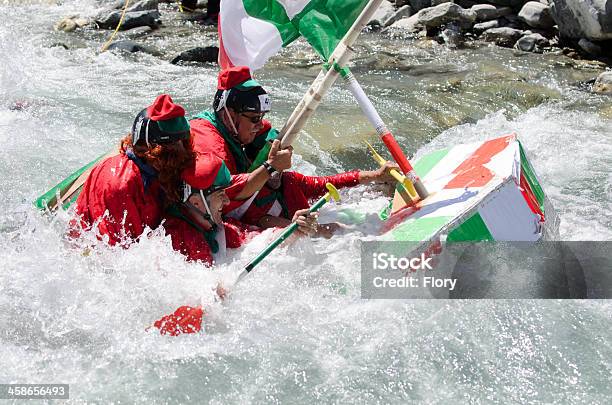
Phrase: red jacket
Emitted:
{"points": [[295, 193], [114, 195], [191, 242]]}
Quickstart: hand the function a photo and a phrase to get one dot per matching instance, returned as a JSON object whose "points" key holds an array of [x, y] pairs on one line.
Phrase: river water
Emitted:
{"points": [[297, 329]]}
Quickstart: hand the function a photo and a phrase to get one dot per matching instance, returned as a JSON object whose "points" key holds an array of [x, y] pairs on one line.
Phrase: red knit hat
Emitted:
{"points": [[161, 122], [236, 77], [209, 174]]}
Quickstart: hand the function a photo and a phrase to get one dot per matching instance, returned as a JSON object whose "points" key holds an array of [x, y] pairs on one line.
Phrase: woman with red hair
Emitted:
{"points": [[127, 193]]}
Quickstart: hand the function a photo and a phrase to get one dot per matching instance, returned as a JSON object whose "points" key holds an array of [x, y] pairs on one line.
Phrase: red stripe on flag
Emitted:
{"points": [[224, 60], [472, 172]]}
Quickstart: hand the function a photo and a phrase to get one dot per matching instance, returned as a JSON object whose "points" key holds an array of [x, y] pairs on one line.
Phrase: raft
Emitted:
{"points": [[485, 191]]}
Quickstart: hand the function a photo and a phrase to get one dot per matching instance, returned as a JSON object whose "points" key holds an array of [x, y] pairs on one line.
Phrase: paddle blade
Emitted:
{"points": [[184, 320]]}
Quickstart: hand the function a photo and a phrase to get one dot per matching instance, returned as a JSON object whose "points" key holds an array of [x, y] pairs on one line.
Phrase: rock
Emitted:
{"points": [[402, 12], [589, 47], [382, 14], [134, 19], [603, 83], [418, 5], [207, 54], [502, 36], [141, 5], [138, 31], [401, 3], [536, 15], [69, 24], [131, 46], [532, 43], [486, 12], [451, 35], [507, 3], [591, 19], [444, 13], [483, 26]]}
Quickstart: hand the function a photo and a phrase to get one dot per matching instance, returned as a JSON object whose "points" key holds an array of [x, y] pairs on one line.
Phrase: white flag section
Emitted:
{"points": [[251, 31]]}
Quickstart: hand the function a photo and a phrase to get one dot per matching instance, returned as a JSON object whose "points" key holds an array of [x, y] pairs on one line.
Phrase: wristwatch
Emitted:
{"points": [[269, 168]]}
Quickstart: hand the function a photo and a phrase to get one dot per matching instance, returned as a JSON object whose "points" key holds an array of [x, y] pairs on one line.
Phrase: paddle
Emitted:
{"points": [[331, 193], [407, 190]]}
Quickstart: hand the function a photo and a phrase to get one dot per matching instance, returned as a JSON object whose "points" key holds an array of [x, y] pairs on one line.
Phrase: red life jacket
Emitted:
{"points": [[116, 185]]}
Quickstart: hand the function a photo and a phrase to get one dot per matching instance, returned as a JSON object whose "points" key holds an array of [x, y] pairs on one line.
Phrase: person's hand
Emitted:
{"points": [[278, 158], [307, 221], [328, 230], [380, 175], [221, 292]]}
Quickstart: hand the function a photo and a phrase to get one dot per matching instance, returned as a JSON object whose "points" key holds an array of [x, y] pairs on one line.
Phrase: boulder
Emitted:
{"points": [[536, 15], [418, 5], [507, 3], [502, 36], [207, 54], [591, 19], [138, 31], [402, 12], [138, 6], [483, 26], [134, 19], [69, 24], [486, 12], [401, 3], [444, 13], [382, 14], [590, 47], [532, 43], [131, 47], [603, 83]]}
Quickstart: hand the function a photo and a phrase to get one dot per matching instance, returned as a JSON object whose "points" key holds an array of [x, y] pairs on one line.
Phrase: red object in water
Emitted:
{"points": [[184, 320]]}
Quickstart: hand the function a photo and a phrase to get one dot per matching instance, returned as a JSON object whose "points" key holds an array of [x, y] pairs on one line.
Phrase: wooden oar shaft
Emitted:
{"points": [[326, 78]]}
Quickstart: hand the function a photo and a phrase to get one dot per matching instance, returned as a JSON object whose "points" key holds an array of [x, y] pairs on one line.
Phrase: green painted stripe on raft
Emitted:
{"points": [[531, 178], [474, 229], [427, 162], [419, 229], [50, 196]]}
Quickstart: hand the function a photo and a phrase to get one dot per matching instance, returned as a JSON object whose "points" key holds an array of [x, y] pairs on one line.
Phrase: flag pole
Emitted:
{"points": [[326, 78], [383, 132]]}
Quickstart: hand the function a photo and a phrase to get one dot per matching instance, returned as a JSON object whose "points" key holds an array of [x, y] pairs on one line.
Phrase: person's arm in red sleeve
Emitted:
{"points": [[314, 186]]}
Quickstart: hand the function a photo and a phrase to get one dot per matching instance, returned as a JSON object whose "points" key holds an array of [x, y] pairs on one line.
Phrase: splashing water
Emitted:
{"points": [[296, 330]]}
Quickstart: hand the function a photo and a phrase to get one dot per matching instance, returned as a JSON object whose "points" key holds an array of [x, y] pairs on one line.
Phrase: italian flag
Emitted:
{"points": [[251, 31]]}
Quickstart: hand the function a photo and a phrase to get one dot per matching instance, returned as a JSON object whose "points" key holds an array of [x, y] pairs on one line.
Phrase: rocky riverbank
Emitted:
{"points": [[579, 29]]}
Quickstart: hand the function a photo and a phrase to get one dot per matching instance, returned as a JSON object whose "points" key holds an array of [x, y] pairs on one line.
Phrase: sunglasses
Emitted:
{"points": [[254, 119]]}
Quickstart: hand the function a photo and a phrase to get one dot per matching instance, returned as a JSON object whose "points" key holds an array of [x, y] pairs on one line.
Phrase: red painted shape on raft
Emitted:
{"points": [[184, 320], [396, 152], [530, 198], [472, 172]]}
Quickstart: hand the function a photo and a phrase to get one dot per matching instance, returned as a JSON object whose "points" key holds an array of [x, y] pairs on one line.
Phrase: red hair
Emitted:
{"points": [[168, 159]]}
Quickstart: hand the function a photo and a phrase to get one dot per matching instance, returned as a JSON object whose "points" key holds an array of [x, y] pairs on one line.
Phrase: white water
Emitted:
{"points": [[296, 330]]}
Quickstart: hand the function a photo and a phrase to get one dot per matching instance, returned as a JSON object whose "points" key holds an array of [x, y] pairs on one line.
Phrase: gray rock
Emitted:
{"points": [[131, 47], [138, 31], [603, 83], [537, 15], [418, 5], [69, 24], [402, 12], [507, 3], [591, 19], [532, 43], [134, 19], [486, 12], [483, 26], [502, 36], [444, 13], [207, 54], [590, 47], [452, 36], [401, 3], [382, 14], [138, 6]]}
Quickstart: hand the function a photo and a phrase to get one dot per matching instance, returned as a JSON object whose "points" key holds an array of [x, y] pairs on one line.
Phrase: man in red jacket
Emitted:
{"points": [[126, 194], [236, 132], [197, 226]]}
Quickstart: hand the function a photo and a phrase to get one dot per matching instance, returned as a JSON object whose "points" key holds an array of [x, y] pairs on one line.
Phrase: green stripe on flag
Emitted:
{"points": [[474, 229], [427, 162], [531, 178], [419, 229], [274, 13]]}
